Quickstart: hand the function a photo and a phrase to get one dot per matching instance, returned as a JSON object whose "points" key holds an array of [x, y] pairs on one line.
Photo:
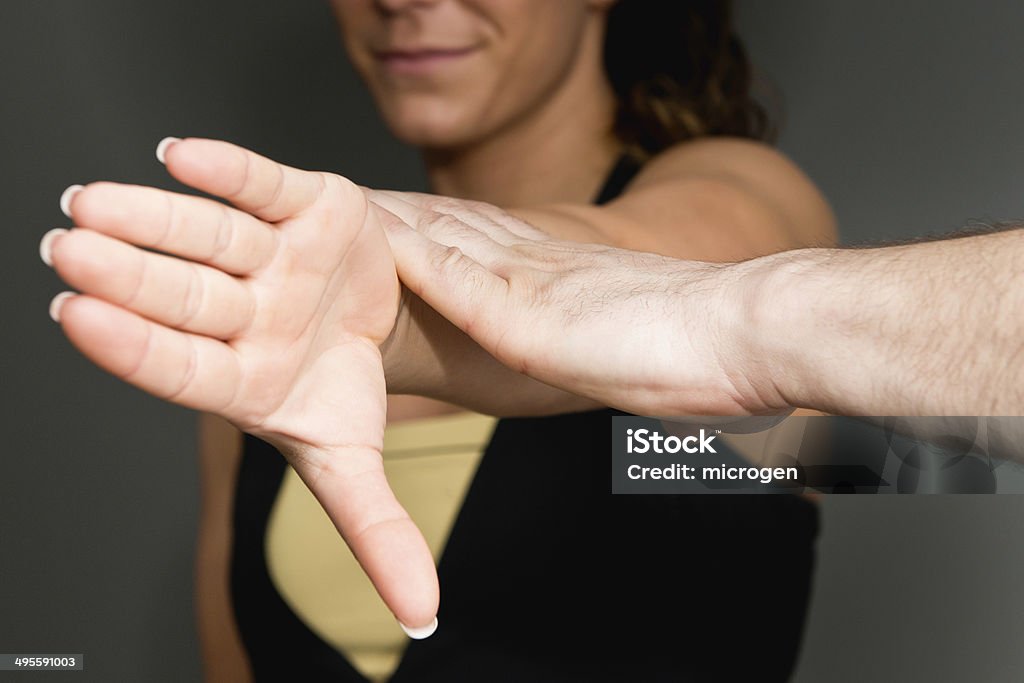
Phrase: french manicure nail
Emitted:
{"points": [[58, 303], [67, 196], [161, 149], [46, 244], [421, 632]]}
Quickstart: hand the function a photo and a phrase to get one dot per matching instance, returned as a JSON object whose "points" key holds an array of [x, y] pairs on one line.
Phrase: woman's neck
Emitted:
{"points": [[570, 142]]}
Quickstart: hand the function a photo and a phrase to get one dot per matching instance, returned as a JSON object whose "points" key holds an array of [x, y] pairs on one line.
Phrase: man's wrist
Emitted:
{"points": [[829, 329], [785, 309]]}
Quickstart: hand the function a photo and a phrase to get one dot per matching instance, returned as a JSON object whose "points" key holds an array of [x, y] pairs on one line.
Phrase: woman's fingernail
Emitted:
{"points": [[161, 149], [58, 303], [67, 196], [46, 244], [421, 632]]}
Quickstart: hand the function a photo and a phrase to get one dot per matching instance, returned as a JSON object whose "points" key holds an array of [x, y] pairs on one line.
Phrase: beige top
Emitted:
{"points": [[429, 463]]}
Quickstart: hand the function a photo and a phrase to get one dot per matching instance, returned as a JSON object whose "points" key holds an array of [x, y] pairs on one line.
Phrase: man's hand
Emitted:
{"points": [[270, 314], [637, 331], [922, 329]]}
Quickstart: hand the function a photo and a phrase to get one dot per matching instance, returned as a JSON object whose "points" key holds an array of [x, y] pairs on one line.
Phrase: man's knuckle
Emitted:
{"points": [[440, 204], [439, 222], [449, 258]]}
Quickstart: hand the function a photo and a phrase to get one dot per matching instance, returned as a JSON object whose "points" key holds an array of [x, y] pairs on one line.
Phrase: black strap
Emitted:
{"points": [[622, 173]]}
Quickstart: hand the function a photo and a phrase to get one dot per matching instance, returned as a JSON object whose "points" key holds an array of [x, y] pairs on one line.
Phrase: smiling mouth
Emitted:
{"points": [[421, 61]]}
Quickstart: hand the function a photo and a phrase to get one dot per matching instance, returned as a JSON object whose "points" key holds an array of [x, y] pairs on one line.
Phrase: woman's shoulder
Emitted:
{"points": [[734, 172], [716, 154]]}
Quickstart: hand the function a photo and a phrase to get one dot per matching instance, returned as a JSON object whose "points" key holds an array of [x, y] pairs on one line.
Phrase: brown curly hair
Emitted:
{"points": [[679, 72]]}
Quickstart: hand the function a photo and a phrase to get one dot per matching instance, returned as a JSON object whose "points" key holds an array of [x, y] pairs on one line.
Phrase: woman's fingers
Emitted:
{"points": [[352, 489], [191, 227], [190, 370], [179, 294], [253, 183]]}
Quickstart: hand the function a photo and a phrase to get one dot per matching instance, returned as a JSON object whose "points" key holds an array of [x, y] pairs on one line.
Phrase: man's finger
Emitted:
{"points": [[253, 183], [444, 229], [449, 281], [441, 219], [498, 223], [180, 294], [195, 228]]}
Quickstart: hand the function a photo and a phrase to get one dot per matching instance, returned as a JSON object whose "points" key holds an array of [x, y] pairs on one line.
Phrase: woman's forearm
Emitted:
{"points": [[428, 356]]}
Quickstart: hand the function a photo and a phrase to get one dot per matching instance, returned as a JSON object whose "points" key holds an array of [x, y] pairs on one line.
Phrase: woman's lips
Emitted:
{"points": [[421, 61]]}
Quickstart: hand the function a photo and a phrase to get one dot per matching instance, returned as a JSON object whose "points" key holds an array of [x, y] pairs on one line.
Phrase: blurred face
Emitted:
{"points": [[447, 73]]}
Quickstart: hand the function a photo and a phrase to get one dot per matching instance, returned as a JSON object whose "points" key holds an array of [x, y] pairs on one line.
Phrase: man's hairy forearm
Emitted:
{"points": [[933, 328], [428, 356]]}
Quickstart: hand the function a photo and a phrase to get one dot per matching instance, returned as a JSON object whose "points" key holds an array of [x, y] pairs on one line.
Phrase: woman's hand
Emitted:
{"points": [[270, 315], [641, 332]]}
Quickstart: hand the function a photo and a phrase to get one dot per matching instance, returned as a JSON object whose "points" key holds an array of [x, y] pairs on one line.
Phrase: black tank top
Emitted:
{"points": [[547, 577]]}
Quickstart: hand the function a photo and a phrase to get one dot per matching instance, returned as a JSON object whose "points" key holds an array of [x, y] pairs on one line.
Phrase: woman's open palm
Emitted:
{"points": [[269, 314]]}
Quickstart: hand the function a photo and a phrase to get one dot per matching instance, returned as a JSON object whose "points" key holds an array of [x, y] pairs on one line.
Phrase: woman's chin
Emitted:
{"points": [[432, 138], [437, 131]]}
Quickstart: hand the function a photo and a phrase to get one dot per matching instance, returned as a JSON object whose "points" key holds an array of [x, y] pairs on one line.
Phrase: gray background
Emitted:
{"points": [[906, 114]]}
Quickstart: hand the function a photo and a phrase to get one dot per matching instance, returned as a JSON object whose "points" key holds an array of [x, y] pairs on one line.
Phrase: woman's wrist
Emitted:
{"points": [[399, 354]]}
